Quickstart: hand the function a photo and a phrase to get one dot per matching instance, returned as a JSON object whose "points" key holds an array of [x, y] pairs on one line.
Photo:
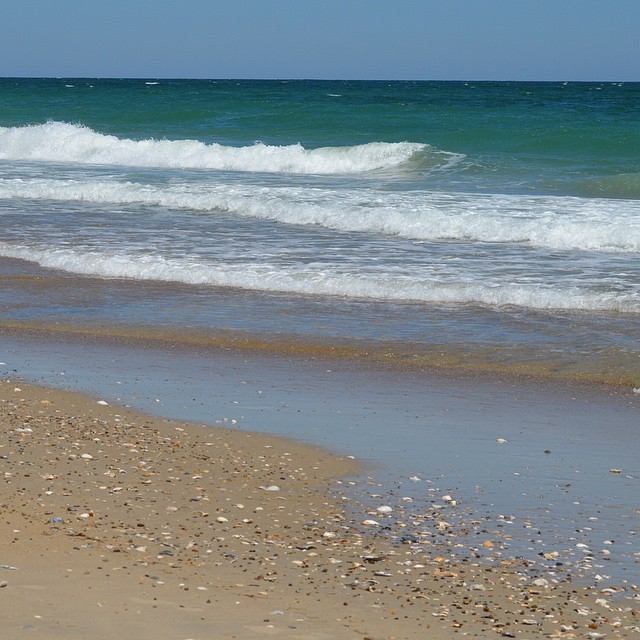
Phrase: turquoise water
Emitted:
{"points": [[483, 225]]}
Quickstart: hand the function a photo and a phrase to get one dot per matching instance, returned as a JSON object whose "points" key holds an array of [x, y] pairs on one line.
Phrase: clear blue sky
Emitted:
{"points": [[355, 39]]}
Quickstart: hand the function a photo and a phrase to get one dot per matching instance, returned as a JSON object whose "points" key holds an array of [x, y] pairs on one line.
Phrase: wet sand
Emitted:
{"points": [[117, 525]]}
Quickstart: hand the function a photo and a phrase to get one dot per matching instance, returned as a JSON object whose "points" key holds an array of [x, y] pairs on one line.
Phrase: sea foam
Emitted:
{"points": [[306, 280], [64, 142], [549, 222]]}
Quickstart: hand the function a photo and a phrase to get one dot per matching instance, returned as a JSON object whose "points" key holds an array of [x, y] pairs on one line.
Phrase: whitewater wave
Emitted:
{"points": [[64, 142], [310, 281], [548, 222]]}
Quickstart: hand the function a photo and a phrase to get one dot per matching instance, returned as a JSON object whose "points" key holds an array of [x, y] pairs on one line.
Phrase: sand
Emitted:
{"points": [[120, 525]]}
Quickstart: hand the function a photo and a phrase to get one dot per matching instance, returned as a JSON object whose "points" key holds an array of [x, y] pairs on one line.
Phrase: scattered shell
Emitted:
{"points": [[102, 402], [384, 509], [272, 487], [370, 523], [373, 558], [86, 456], [540, 582]]}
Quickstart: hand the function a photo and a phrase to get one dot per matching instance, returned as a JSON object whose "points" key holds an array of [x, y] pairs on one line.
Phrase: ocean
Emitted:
{"points": [[480, 225], [300, 257]]}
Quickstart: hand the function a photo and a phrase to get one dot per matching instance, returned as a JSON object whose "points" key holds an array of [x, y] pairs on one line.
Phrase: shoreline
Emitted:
{"points": [[526, 455], [153, 542]]}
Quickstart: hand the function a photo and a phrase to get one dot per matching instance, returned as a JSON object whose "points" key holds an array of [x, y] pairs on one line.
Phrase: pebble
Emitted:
{"points": [[384, 509]]}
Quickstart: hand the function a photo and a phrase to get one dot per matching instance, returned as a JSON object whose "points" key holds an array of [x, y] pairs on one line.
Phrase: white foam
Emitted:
{"points": [[63, 142], [311, 281], [557, 223]]}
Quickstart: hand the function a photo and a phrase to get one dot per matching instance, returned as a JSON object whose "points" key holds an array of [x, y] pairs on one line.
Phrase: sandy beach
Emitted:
{"points": [[116, 524]]}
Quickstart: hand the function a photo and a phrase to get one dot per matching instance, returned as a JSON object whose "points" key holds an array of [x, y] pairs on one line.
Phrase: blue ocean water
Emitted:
{"points": [[475, 225]]}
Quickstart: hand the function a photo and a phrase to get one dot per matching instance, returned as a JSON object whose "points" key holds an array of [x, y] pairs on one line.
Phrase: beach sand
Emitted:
{"points": [[119, 525]]}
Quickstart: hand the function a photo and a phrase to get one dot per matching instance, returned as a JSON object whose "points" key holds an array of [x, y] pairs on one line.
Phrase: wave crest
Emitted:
{"points": [[64, 142]]}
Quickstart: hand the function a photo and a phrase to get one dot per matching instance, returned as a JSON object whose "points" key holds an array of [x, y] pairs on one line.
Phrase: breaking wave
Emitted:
{"points": [[64, 142]]}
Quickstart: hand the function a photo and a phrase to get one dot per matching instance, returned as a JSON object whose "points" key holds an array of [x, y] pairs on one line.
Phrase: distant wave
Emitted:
{"points": [[63, 142], [550, 222], [308, 281]]}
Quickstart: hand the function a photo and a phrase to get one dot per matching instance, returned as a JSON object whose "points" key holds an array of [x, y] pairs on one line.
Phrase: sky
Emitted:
{"points": [[323, 39]]}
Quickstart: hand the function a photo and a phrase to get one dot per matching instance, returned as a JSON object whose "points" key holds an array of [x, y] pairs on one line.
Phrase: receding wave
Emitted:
{"points": [[63, 142], [550, 222], [310, 281]]}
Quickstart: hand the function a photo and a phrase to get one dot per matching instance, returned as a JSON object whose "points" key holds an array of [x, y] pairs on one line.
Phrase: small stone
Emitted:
{"points": [[384, 509]]}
